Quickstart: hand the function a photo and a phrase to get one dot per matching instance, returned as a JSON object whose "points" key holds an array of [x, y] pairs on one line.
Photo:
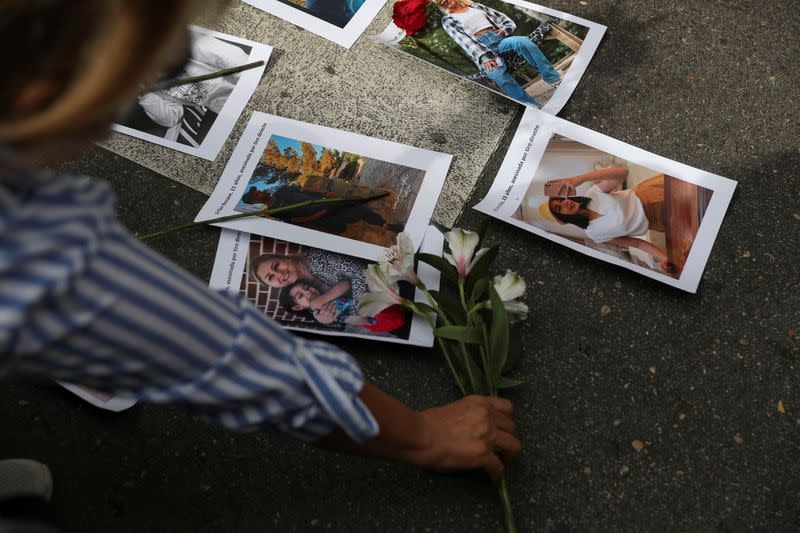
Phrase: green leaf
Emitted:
{"points": [[478, 290], [422, 306], [459, 333], [498, 338], [514, 353], [480, 269], [450, 307], [507, 383], [440, 264], [482, 227]]}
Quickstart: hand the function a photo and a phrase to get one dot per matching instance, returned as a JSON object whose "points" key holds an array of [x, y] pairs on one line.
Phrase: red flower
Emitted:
{"points": [[389, 319], [410, 15]]}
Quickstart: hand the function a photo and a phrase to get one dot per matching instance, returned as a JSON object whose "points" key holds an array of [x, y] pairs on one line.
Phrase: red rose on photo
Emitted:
{"points": [[410, 15], [389, 319]]}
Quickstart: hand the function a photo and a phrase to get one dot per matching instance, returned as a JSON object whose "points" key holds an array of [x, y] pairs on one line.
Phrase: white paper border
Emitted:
{"points": [[232, 253], [115, 403], [571, 78], [223, 126], [262, 126], [523, 157], [342, 36]]}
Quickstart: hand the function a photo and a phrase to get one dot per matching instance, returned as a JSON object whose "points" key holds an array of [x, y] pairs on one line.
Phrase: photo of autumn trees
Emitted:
{"points": [[291, 171]]}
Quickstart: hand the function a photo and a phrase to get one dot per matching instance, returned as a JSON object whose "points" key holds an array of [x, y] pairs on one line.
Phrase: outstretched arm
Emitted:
{"points": [[331, 294], [124, 320], [474, 432], [647, 247], [608, 178]]}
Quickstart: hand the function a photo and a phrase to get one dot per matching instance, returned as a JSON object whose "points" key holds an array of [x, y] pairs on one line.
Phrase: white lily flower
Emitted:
{"points": [[462, 247], [509, 286], [384, 292], [516, 310], [398, 260]]}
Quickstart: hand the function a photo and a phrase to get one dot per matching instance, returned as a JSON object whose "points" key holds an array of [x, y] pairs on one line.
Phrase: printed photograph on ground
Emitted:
{"points": [[98, 398], [336, 12], [279, 163], [290, 171], [609, 200], [339, 21], [197, 118], [309, 288], [522, 53], [609, 204]]}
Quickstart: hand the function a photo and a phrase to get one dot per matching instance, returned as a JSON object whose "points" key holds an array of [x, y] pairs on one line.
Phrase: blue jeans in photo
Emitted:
{"points": [[526, 49]]}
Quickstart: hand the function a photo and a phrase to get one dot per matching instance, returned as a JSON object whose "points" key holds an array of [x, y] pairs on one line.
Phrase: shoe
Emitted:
{"points": [[555, 83], [25, 478]]}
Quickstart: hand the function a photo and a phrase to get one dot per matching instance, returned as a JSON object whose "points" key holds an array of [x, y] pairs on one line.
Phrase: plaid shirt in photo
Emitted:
{"points": [[476, 50]]}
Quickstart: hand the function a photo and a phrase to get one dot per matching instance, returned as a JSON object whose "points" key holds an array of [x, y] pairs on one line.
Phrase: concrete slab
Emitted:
{"points": [[368, 89]]}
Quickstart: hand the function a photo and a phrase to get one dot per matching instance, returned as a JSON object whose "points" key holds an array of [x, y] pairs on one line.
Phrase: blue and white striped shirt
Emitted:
{"points": [[83, 301]]}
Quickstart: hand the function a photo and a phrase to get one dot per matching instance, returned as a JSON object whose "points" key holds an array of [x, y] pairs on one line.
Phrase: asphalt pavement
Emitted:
{"points": [[644, 408]]}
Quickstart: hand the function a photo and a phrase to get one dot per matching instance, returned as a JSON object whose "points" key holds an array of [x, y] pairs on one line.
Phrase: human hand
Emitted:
{"points": [[667, 266], [474, 432], [491, 65], [561, 187], [501, 33], [325, 314]]}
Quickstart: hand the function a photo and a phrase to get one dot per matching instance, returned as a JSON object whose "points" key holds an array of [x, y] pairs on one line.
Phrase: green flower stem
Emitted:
{"points": [[433, 304], [485, 351], [511, 525], [475, 309], [442, 346], [205, 77], [469, 362], [262, 213], [461, 293], [449, 359]]}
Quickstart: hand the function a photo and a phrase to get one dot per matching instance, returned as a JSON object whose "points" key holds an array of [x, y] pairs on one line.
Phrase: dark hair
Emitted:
{"points": [[582, 221], [287, 302]]}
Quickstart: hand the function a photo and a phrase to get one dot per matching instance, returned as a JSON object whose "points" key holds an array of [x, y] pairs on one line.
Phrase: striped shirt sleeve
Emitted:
{"points": [[83, 301]]}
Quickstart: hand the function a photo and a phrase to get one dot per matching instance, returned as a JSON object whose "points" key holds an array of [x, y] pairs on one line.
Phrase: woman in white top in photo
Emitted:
{"points": [[620, 217], [485, 33]]}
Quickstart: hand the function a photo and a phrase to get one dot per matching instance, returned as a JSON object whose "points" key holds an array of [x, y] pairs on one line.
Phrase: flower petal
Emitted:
{"points": [[373, 303], [516, 310], [509, 286], [462, 247], [398, 260]]}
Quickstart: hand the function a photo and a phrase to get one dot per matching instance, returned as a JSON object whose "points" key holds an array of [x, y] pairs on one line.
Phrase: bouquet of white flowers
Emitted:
{"points": [[473, 333]]}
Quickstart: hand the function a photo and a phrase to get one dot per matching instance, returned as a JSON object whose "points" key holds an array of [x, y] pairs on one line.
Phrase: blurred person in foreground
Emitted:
{"points": [[83, 301]]}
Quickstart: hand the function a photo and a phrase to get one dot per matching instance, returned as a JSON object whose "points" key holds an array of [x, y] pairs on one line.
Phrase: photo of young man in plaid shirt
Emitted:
{"points": [[484, 34]]}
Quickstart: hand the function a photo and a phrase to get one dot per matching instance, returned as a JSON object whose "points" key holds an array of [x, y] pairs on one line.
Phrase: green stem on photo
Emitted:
{"points": [[169, 84], [511, 525], [263, 213]]}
